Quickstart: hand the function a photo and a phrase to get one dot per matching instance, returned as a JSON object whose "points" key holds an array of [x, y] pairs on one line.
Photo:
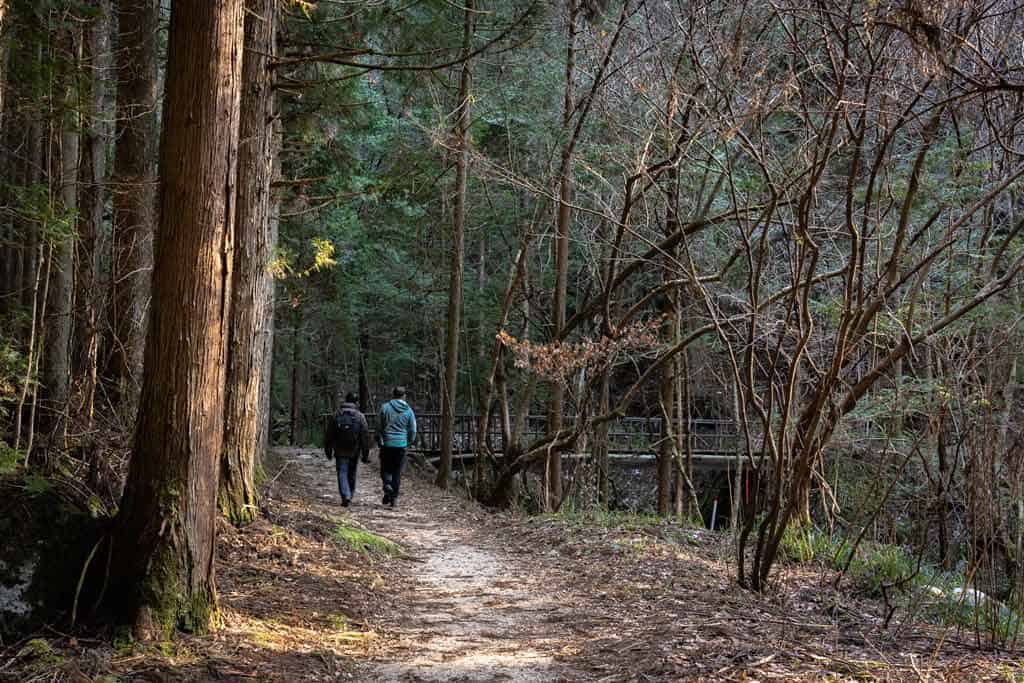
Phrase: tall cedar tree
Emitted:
{"points": [[166, 530], [249, 356]]}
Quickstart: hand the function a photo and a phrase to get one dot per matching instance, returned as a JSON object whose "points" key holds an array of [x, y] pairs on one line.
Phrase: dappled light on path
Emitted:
{"points": [[461, 609]]}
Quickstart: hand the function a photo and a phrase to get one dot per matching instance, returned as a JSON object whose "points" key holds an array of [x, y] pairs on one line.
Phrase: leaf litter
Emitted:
{"points": [[441, 590]]}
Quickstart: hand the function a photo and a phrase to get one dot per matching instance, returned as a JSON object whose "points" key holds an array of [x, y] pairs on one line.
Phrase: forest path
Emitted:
{"points": [[460, 605], [470, 596]]}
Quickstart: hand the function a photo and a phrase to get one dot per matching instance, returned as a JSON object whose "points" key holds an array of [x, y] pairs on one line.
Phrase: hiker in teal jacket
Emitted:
{"points": [[396, 431]]}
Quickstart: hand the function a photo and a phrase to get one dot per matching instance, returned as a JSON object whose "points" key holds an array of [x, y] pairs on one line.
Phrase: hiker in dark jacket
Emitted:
{"points": [[348, 437], [396, 431]]}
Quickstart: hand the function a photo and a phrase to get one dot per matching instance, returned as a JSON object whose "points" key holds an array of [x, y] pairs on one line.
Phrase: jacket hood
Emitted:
{"points": [[348, 406], [399, 405]]}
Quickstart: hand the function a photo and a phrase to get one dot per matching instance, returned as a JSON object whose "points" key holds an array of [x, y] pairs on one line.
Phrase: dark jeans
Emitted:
{"points": [[391, 462], [346, 476]]}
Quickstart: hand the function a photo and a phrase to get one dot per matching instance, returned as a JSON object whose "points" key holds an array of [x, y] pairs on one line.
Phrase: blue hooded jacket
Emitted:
{"points": [[397, 425]]}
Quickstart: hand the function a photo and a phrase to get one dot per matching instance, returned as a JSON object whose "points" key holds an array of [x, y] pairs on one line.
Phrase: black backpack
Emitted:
{"points": [[348, 426]]}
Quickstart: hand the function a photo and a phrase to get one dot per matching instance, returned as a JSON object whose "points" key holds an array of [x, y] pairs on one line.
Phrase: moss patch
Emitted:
{"points": [[348, 535]]}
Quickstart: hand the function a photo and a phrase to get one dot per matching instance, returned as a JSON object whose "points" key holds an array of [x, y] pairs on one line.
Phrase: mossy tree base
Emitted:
{"points": [[162, 576]]}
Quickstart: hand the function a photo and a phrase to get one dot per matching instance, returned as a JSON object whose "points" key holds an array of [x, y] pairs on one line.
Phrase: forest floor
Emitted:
{"points": [[313, 592]]}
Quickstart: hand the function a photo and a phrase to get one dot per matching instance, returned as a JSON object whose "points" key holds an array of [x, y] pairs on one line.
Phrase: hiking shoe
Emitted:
{"points": [[386, 500], [391, 503], [345, 502]]}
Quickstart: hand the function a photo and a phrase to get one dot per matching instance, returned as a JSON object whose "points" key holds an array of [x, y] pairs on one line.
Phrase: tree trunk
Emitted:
{"points": [[364, 384], [57, 331], [134, 194], [4, 44], [92, 191], [666, 451], [10, 244], [690, 508], [165, 534], [267, 369], [296, 393], [451, 368], [9, 281], [482, 338], [30, 256], [553, 471], [252, 287], [601, 441]]}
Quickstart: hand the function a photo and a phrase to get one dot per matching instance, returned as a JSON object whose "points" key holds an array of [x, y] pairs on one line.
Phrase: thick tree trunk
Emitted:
{"points": [[553, 471], [252, 287], [458, 257], [165, 534], [134, 194]]}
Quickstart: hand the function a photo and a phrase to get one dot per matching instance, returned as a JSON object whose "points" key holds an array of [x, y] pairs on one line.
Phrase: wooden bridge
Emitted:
{"points": [[715, 444]]}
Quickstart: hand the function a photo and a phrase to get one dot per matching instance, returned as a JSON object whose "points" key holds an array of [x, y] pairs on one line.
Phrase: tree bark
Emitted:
{"points": [[134, 195], [92, 190], [252, 287], [601, 440], [364, 383], [296, 393], [553, 471], [165, 533], [9, 280], [4, 44], [10, 251], [30, 256], [666, 451], [458, 256], [57, 327]]}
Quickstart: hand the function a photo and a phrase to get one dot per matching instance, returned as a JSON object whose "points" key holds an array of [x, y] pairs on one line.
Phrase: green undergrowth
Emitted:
{"points": [[892, 572], [873, 568], [348, 535], [10, 458]]}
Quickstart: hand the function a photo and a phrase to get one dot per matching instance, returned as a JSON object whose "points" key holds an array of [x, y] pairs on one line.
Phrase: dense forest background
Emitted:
{"points": [[799, 220]]}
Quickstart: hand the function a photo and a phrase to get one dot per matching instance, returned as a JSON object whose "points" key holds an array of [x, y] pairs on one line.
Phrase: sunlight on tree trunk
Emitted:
{"points": [[252, 287], [165, 537]]}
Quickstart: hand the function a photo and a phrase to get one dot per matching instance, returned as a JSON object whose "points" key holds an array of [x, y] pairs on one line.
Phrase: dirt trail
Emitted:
{"points": [[484, 597], [461, 607]]}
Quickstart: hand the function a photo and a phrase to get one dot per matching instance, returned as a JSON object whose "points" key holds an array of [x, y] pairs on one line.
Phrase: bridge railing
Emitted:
{"points": [[626, 435]]}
